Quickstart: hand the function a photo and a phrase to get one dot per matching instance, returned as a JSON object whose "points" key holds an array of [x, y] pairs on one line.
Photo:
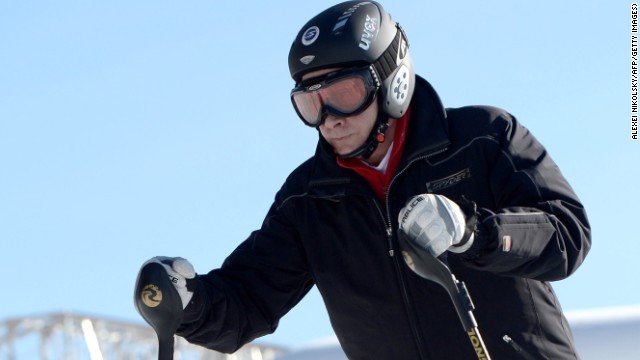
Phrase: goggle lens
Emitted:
{"points": [[339, 94]]}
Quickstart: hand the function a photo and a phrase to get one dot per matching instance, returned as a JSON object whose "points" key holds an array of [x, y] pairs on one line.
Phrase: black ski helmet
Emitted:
{"points": [[358, 33]]}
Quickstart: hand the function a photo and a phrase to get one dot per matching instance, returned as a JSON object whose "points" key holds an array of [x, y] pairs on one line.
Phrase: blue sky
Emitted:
{"points": [[134, 129]]}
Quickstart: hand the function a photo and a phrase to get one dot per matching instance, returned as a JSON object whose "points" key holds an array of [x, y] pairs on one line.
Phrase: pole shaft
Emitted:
{"points": [[478, 344], [165, 348]]}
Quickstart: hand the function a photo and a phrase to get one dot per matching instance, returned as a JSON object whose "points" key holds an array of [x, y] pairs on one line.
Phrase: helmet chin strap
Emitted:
{"points": [[376, 137]]}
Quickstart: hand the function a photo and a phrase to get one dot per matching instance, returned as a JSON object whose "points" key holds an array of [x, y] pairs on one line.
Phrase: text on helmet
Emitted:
{"points": [[368, 33]]}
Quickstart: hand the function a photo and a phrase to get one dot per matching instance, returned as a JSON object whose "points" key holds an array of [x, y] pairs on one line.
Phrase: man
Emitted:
{"points": [[470, 185]]}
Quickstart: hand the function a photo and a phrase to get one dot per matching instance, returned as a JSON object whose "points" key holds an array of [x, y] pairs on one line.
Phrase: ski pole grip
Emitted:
{"points": [[159, 304]]}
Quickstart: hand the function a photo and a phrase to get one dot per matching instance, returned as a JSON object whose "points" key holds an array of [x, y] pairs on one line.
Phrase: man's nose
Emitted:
{"points": [[331, 121]]}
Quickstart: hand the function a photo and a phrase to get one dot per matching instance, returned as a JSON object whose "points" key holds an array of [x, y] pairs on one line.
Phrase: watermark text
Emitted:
{"points": [[634, 71]]}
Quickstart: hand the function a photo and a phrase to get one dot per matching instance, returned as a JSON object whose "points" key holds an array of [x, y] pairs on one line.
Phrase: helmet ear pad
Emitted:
{"points": [[397, 89]]}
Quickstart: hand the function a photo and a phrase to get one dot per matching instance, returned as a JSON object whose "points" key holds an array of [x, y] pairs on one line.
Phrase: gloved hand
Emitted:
{"points": [[436, 224], [179, 271]]}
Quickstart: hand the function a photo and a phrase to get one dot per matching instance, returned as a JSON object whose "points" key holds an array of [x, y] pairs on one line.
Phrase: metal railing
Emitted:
{"points": [[70, 336]]}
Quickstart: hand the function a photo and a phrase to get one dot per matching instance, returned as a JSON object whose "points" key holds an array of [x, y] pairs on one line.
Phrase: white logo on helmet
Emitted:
{"points": [[400, 85], [307, 59], [402, 50], [310, 35]]}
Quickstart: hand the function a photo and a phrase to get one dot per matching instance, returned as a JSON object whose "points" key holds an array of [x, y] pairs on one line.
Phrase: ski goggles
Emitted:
{"points": [[343, 93]]}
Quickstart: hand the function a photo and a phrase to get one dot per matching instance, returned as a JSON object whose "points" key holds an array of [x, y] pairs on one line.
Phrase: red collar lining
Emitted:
{"points": [[378, 181]]}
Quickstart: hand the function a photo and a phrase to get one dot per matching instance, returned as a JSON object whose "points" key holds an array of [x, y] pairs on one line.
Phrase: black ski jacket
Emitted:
{"points": [[327, 228]]}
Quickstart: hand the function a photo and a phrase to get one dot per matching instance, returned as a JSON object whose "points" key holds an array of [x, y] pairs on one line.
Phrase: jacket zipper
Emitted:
{"points": [[387, 218], [405, 294], [397, 262]]}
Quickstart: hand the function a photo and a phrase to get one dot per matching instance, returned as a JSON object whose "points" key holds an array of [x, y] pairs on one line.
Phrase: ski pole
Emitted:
{"points": [[158, 302], [427, 266]]}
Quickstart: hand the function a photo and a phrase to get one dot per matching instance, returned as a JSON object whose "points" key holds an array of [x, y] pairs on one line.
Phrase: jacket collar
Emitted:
{"points": [[427, 133]]}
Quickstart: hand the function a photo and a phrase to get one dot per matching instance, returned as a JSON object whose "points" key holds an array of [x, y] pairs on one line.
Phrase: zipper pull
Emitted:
{"points": [[390, 238], [517, 348]]}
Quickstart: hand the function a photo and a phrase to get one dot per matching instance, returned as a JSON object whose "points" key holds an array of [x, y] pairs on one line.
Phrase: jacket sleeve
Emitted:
{"points": [[537, 228], [258, 283]]}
